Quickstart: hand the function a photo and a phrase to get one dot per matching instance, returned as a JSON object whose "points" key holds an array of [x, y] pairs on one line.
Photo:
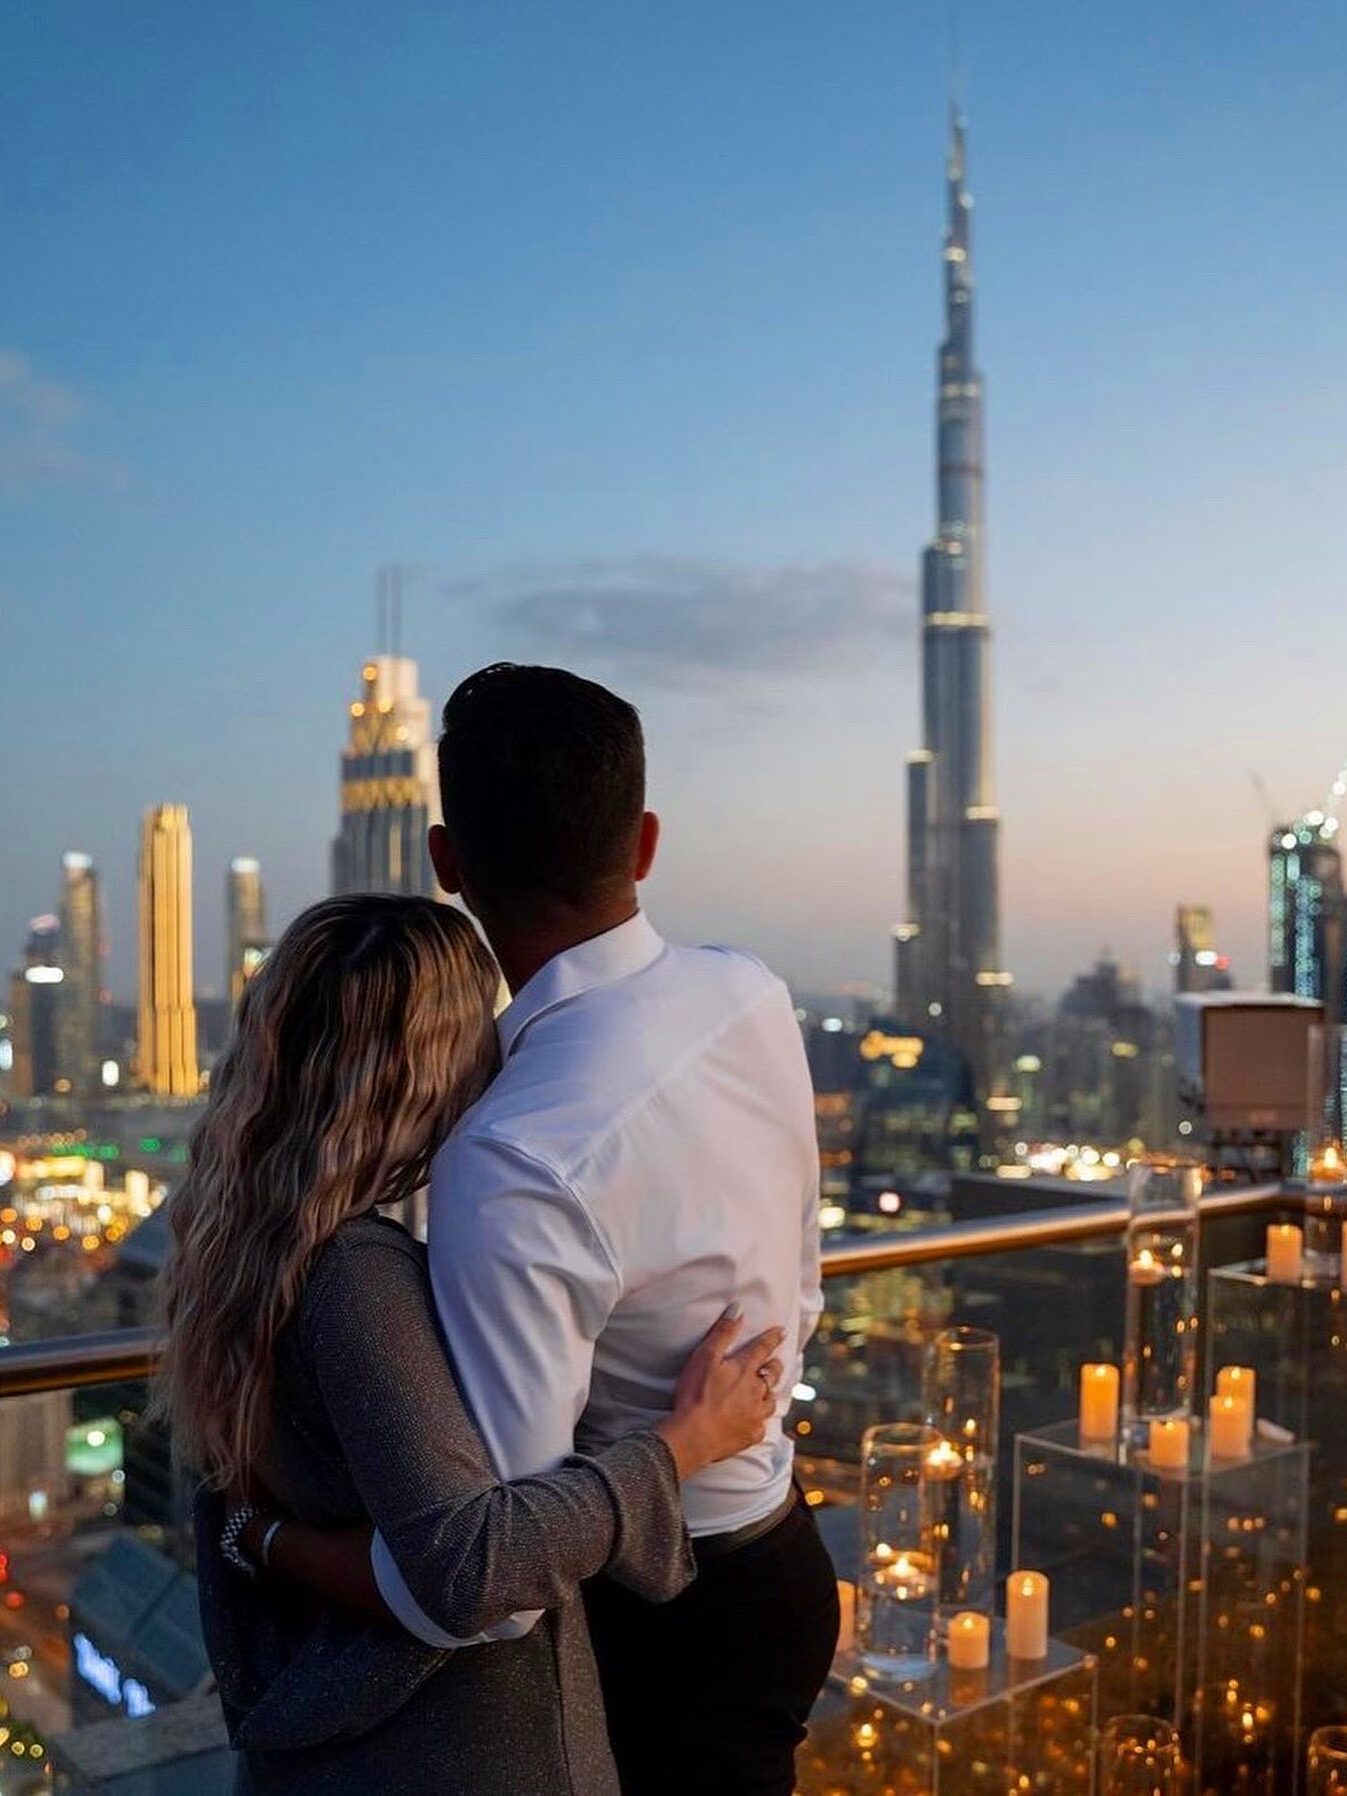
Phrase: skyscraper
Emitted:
{"points": [[245, 924], [1307, 911], [388, 786], [82, 958], [36, 1003], [948, 953], [167, 1035], [1198, 965]]}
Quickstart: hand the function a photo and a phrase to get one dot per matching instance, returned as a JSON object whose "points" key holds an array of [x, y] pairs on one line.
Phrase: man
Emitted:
{"points": [[645, 1157]]}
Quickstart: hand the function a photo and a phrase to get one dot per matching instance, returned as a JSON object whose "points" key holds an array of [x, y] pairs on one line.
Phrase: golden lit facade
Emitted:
{"points": [[167, 1035], [388, 786]]}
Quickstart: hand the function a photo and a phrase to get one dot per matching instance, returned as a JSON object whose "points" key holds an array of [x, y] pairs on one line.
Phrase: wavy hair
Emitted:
{"points": [[360, 1042]]}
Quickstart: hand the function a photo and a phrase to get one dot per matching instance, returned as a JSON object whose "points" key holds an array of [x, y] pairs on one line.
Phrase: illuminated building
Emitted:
{"points": [[82, 959], [1198, 965], [1107, 1063], [166, 1042], [1306, 913], [948, 974], [388, 786], [36, 1010], [915, 1108], [32, 1454], [245, 925]]}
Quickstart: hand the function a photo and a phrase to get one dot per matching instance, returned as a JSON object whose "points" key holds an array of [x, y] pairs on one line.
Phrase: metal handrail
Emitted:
{"points": [[133, 1353]]}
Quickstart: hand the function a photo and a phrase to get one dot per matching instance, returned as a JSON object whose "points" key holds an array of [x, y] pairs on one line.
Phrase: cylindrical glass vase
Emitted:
{"points": [[899, 1586], [1160, 1315], [1326, 1762], [1139, 1756], [963, 1403], [1325, 1160]]}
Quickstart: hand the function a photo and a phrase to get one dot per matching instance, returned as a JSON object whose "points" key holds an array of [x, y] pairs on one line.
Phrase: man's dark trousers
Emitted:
{"points": [[711, 1692]]}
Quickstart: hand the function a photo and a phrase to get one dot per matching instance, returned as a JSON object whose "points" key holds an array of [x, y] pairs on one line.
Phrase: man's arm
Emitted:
{"points": [[524, 1286]]}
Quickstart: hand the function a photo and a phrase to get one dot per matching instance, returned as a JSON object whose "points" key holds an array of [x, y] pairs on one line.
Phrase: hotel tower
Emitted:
{"points": [[949, 979], [167, 1041], [388, 786]]}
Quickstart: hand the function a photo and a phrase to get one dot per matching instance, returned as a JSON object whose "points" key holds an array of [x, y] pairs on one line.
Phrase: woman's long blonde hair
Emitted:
{"points": [[360, 1041]]}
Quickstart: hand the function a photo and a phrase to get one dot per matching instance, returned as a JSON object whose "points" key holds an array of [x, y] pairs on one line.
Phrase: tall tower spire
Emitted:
{"points": [[948, 959]]}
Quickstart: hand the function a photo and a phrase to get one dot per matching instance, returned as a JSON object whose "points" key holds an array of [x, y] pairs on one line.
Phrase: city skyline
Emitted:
{"points": [[669, 382]]}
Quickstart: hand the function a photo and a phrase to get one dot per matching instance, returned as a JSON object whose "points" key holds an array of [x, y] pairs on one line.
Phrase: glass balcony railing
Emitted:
{"points": [[104, 1685]]}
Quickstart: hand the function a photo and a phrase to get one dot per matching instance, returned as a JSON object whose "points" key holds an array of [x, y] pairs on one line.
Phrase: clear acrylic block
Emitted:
{"points": [[1016, 1725]]}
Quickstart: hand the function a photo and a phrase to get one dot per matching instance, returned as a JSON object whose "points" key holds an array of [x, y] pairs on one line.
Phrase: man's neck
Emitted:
{"points": [[524, 949]]}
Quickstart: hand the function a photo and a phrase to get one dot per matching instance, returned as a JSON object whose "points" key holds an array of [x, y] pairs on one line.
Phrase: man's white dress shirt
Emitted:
{"points": [[646, 1154]]}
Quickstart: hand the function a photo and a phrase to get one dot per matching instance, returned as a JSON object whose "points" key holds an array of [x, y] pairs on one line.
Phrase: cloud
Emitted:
{"points": [[679, 620], [38, 419]]}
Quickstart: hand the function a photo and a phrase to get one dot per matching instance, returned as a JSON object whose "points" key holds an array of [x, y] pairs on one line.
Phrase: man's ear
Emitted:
{"points": [[647, 845], [444, 859]]}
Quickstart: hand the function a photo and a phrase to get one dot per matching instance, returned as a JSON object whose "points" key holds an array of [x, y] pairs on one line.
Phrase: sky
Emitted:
{"points": [[614, 323]]}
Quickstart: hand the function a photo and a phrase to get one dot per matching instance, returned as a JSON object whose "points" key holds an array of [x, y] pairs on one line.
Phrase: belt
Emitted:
{"points": [[716, 1546]]}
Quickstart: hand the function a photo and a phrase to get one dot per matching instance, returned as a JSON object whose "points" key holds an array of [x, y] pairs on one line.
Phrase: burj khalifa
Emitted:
{"points": [[948, 970]]}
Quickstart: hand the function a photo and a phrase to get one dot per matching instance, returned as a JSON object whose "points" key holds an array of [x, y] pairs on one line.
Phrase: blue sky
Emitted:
{"points": [[556, 301]]}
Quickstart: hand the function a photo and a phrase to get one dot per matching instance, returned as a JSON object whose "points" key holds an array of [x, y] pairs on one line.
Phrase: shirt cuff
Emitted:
{"points": [[393, 1589]]}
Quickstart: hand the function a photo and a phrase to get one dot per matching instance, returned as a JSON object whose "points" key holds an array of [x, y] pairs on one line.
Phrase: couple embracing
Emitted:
{"points": [[513, 1514]]}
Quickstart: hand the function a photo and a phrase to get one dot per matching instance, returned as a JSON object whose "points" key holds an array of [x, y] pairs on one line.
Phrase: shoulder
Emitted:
{"points": [[370, 1255]]}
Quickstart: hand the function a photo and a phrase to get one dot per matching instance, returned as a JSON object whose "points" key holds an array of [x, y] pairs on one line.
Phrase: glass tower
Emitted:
{"points": [[1306, 910], [167, 1034], [388, 786], [82, 951], [245, 924], [949, 978]]}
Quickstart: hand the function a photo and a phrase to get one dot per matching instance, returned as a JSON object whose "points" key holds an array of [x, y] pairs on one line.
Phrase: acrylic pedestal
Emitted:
{"points": [[1018, 1725], [1295, 1338], [1187, 1585]]}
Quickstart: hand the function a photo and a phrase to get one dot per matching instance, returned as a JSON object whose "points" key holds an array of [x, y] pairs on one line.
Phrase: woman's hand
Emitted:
{"points": [[723, 1401]]}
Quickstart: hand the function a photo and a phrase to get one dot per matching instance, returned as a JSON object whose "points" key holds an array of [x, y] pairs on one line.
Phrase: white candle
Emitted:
{"points": [[1145, 1269], [943, 1462], [970, 1641], [1285, 1253], [1239, 1381], [1027, 1615], [1230, 1427], [1098, 1402], [1167, 1443]]}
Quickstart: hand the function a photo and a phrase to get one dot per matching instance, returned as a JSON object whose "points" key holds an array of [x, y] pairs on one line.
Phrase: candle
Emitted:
{"points": [[1285, 1253], [846, 1602], [970, 1641], [905, 1576], [1027, 1615], [1327, 1167], [943, 1462], [1167, 1443], [1230, 1427], [1098, 1402], [1145, 1269], [1239, 1381]]}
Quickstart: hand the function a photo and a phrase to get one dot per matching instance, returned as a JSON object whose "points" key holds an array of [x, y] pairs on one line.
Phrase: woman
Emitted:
{"points": [[304, 1368]]}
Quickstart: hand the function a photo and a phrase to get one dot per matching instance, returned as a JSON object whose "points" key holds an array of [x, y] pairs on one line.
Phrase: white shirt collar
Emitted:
{"points": [[630, 948]]}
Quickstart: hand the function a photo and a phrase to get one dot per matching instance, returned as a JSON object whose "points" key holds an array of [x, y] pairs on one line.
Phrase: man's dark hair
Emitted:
{"points": [[542, 783]]}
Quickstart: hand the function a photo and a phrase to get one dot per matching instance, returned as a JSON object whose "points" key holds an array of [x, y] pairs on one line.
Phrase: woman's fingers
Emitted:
{"points": [[722, 1331], [759, 1350]]}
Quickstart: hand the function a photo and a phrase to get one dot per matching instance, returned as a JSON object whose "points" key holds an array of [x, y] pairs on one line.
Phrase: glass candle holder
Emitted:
{"points": [[1160, 1315], [1139, 1756], [899, 1586], [1326, 1762], [963, 1403]]}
